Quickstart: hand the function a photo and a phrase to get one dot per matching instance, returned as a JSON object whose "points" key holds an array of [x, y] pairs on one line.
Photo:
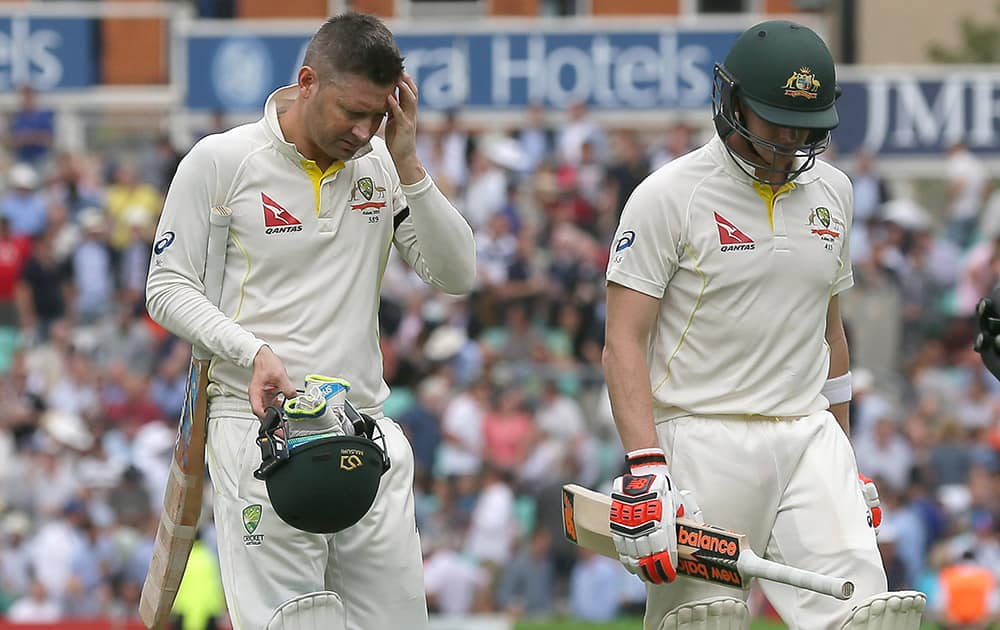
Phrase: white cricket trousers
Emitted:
{"points": [[375, 566], [792, 487]]}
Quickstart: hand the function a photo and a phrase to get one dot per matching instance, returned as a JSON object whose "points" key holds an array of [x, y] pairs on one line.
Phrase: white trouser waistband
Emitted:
{"points": [[233, 407]]}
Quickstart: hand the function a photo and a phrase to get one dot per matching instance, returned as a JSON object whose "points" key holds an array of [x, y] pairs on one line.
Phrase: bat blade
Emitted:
{"points": [[705, 552], [182, 503], [178, 526]]}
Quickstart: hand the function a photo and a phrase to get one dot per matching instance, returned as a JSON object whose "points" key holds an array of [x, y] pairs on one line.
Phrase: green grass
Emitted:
{"points": [[636, 624], [624, 624]]}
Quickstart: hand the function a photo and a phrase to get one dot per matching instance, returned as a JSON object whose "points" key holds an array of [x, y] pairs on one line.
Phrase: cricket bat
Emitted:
{"points": [[704, 552], [182, 501]]}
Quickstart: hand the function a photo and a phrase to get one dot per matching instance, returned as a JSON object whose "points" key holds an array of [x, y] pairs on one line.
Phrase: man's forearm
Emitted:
{"points": [[627, 375], [839, 364], [447, 245]]}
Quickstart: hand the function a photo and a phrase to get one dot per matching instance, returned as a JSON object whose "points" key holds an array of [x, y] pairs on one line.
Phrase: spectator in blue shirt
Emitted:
{"points": [[23, 204], [32, 129], [595, 587]]}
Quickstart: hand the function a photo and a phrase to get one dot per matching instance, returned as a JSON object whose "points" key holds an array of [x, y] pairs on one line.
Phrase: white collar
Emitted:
{"points": [[279, 100]]}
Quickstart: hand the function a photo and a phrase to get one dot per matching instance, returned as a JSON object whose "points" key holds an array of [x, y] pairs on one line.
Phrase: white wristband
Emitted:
{"points": [[837, 390]]}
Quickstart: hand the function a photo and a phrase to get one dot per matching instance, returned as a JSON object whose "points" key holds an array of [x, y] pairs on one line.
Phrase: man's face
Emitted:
{"points": [[769, 132], [341, 116]]}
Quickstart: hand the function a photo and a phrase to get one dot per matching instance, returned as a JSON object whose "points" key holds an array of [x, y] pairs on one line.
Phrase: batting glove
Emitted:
{"points": [[644, 506], [870, 493], [334, 390], [318, 413]]}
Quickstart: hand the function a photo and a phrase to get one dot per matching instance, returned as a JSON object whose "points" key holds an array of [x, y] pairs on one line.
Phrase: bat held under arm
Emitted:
{"points": [[705, 552], [178, 527]]}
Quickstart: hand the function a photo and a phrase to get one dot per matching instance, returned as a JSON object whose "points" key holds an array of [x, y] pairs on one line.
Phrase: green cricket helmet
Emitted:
{"points": [[323, 485], [784, 73]]}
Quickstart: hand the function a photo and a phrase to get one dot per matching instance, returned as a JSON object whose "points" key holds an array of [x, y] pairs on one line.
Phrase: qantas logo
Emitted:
{"points": [[731, 238], [277, 219]]}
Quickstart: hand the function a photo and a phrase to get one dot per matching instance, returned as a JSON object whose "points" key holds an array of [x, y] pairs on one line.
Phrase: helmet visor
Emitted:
{"points": [[820, 119]]}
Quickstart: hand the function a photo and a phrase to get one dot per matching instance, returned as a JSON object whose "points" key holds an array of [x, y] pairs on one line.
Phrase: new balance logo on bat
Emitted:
{"points": [[731, 238], [277, 219]]}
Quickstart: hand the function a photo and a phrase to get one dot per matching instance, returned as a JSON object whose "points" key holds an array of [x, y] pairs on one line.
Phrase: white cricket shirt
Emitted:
{"points": [[305, 258], [744, 279]]}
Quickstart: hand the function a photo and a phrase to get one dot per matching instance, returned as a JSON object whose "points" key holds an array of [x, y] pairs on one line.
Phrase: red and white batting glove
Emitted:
{"points": [[644, 507], [870, 493]]}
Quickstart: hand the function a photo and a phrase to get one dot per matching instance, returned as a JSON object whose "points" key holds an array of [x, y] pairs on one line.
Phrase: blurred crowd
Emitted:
{"points": [[501, 392]]}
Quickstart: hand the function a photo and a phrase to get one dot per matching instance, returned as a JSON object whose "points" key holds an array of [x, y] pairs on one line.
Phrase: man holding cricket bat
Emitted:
{"points": [[317, 200], [726, 358]]}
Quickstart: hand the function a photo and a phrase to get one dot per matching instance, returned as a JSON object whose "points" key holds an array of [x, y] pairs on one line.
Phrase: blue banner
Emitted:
{"points": [[893, 112], [50, 53], [900, 114], [652, 69]]}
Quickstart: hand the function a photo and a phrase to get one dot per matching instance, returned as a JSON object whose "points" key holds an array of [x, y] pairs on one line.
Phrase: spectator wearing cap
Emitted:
{"points": [[23, 204]]}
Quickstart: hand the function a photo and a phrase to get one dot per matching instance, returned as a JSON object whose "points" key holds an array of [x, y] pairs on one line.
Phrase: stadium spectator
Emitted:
{"points": [[596, 587], [968, 186], [32, 129], [527, 583], [23, 204], [531, 335], [126, 196]]}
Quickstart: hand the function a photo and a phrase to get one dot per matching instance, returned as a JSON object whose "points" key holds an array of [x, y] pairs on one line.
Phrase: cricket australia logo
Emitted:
{"points": [[368, 199], [251, 519], [802, 83], [825, 226]]}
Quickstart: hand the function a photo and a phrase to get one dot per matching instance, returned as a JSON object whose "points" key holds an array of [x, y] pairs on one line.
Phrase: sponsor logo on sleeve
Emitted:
{"points": [[625, 241], [162, 243]]}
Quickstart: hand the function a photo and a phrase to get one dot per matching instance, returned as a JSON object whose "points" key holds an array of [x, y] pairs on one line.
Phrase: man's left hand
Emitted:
{"points": [[401, 130], [870, 493]]}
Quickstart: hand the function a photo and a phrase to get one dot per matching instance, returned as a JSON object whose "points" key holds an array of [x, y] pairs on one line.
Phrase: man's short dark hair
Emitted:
{"points": [[355, 43]]}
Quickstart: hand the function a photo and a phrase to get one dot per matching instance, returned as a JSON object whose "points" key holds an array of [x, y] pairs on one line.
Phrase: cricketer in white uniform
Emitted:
{"points": [[317, 203], [723, 328]]}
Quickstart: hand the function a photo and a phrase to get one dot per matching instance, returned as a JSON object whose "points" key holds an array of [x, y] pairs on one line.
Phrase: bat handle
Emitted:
{"points": [[753, 565]]}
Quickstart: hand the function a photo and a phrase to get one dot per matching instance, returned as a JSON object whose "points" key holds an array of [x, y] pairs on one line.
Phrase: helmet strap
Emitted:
{"points": [[272, 438]]}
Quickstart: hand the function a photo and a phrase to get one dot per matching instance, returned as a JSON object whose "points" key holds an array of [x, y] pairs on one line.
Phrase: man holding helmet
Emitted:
{"points": [[726, 358], [317, 202]]}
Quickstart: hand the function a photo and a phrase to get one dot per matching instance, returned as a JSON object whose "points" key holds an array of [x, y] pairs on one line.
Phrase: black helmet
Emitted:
{"points": [[784, 73], [326, 484]]}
